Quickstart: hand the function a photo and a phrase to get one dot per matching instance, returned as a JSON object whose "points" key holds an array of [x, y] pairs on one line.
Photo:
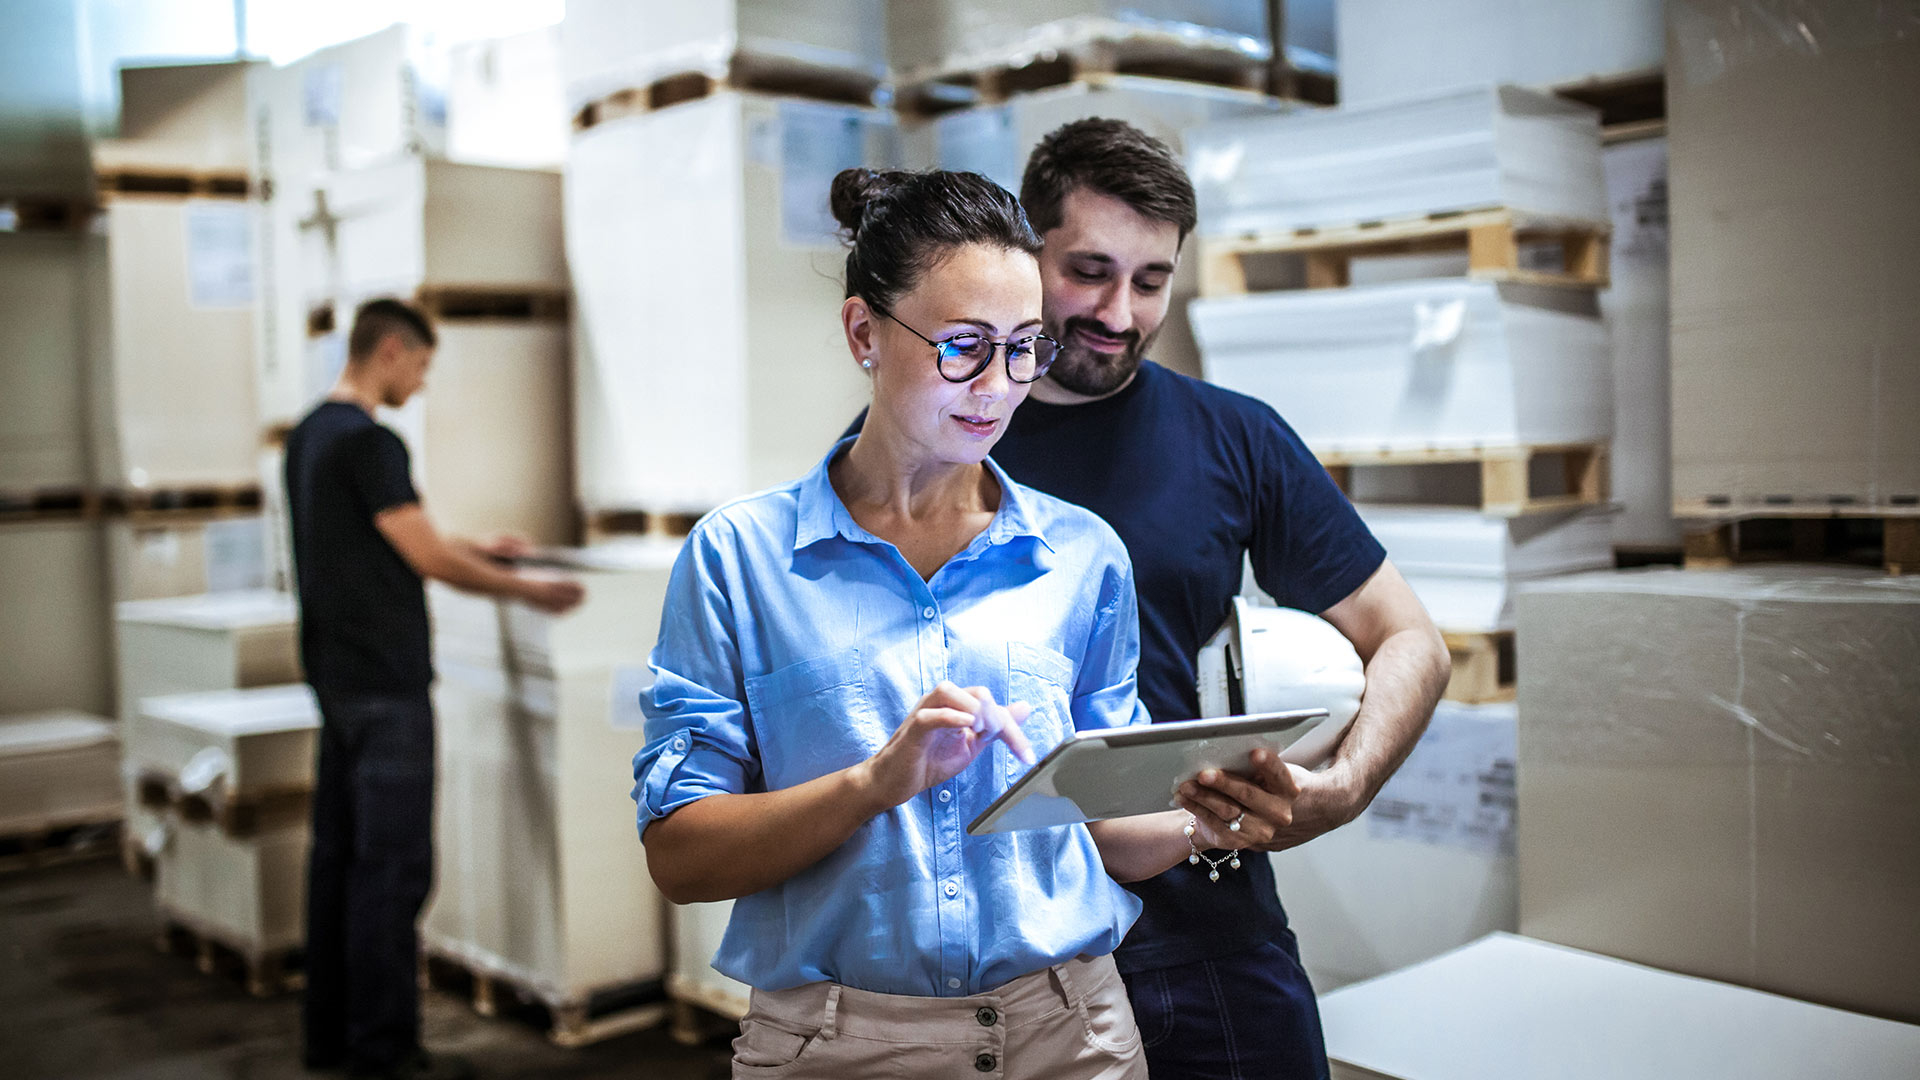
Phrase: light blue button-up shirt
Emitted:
{"points": [[794, 642]]}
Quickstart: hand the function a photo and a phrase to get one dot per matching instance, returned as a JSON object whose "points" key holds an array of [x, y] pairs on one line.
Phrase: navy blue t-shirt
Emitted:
{"points": [[1193, 477]]}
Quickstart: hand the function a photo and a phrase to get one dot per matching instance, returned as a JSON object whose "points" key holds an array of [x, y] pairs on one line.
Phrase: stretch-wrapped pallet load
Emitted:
{"points": [[507, 102], [43, 387], [1466, 567], [53, 618], [1427, 868], [1478, 148], [994, 141], [939, 36], [1417, 364], [1391, 50], [1637, 311], [1512, 1008], [58, 770], [1796, 310], [610, 46], [1717, 776], [161, 558], [542, 881], [730, 373]]}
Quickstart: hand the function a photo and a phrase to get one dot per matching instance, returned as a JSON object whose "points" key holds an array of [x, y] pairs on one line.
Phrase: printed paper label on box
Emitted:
{"points": [[219, 254], [236, 554], [1456, 789], [981, 141], [631, 682], [320, 92], [816, 142]]}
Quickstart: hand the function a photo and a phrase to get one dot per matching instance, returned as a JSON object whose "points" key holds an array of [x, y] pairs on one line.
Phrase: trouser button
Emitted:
{"points": [[983, 1063], [987, 1016]]}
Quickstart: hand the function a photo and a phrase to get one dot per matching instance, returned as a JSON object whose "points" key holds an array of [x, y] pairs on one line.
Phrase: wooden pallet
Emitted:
{"points": [[1144, 53], [1632, 106], [202, 183], [1506, 473], [1491, 239], [1638, 556], [50, 504], [569, 1022], [241, 816], [700, 1011], [609, 524], [444, 303], [264, 972], [50, 213], [1885, 536], [56, 841], [152, 503], [1483, 667], [781, 76]]}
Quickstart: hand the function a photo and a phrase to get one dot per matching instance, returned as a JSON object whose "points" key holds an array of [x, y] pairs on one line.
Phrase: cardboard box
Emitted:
{"points": [[1470, 149], [1434, 363], [1427, 868], [1796, 311], [1716, 776], [932, 36], [54, 623], [759, 385], [57, 769], [1507, 1007], [1466, 567], [1391, 50], [43, 396], [1639, 320]]}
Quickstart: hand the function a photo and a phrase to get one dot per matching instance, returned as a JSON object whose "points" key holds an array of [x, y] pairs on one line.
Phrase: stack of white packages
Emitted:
{"points": [[542, 880], [58, 769], [1427, 868], [730, 373], [1477, 148], [609, 46], [933, 36], [234, 869], [1415, 364], [223, 641], [994, 141], [1466, 567], [507, 102]]}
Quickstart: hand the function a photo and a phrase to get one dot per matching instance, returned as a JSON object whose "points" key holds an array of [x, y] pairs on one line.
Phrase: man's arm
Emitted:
{"points": [[1407, 670], [463, 564]]}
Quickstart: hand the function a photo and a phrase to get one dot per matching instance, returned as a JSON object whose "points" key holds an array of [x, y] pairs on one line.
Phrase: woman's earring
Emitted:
{"points": [[866, 363]]}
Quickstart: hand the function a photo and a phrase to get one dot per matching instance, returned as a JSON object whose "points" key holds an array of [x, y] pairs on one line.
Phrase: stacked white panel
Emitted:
{"points": [[614, 45], [1484, 147], [1465, 567], [57, 769], [928, 36], [1438, 363], [729, 373]]}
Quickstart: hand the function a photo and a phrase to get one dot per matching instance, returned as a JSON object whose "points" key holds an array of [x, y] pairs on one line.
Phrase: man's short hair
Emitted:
{"points": [[1113, 158], [376, 319]]}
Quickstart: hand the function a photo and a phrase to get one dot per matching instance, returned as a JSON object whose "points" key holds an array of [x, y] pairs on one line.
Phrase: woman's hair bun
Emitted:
{"points": [[856, 189]]}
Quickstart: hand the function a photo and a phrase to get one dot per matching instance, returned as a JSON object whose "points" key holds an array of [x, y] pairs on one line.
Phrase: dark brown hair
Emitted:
{"points": [[898, 224], [1113, 158], [375, 319]]}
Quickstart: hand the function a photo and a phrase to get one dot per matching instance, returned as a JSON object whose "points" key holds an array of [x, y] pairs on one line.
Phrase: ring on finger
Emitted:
{"points": [[1234, 825]]}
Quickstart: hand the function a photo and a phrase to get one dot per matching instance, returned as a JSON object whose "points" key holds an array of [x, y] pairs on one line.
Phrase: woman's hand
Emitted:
{"points": [[1217, 799], [940, 737]]}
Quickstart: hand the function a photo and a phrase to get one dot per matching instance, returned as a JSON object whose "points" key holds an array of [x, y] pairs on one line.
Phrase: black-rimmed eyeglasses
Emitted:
{"points": [[962, 357]]}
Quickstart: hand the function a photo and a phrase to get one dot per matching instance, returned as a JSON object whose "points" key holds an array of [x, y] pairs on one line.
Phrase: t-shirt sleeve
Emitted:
{"points": [[382, 471], [1310, 549]]}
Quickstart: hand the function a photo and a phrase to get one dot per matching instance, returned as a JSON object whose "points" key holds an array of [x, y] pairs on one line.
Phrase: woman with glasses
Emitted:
{"points": [[851, 667]]}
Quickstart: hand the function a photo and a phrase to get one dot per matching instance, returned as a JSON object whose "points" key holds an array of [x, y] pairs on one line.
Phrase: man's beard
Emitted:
{"points": [[1081, 370]]}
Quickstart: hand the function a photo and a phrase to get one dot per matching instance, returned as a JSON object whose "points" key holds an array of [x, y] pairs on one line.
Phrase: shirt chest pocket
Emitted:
{"points": [[813, 718], [1044, 680]]}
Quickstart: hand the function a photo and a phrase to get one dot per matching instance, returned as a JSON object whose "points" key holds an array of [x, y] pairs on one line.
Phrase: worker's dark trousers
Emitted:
{"points": [[1245, 1016], [371, 870]]}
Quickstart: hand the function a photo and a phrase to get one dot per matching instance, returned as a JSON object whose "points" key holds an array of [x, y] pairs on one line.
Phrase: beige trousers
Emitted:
{"points": [[1068, 1022]]}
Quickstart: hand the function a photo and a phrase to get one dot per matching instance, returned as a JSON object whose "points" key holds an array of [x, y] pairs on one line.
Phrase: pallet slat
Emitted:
{"points": [[570, 1022], [1506, 473], [1847, 536], [746, 71], [1483, 667], [264, 972]]}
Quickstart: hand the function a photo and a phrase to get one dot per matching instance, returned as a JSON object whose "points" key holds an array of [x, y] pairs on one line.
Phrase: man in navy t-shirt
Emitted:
{"points": [[1194, 478]]}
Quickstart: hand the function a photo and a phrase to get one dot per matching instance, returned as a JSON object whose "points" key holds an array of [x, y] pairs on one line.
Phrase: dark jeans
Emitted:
{"points": [[1248, 1016], [371, 870]]}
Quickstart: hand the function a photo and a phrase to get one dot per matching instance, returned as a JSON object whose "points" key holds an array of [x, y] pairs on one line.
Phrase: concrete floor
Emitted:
{"points": [[84, 993]]}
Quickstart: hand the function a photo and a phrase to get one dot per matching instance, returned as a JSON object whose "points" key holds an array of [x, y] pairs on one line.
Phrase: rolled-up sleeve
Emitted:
{"points": [[697, 738], [1107, 693]]}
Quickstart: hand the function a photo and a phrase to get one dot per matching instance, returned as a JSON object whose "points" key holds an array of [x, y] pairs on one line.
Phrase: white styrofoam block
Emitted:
{"points": [[1638, 315], [1511, 1007], [43, 401], [1416, 364], [1427, 868], [612, 45], [736, 186], [1465, 566], [1488, 146], [506, 102], [57, 769], [1389, 49], [242, 742], [950, 35]]}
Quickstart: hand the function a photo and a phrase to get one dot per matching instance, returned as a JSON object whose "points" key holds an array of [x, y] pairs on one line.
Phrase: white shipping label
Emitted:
{"points": [[981, 141], [1637, 199], [631, 683], [816, 143], [1456, 789], [236, 554], [320, 93], [219, 254]]}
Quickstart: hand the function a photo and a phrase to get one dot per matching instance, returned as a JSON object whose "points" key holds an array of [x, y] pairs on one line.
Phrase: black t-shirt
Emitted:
{"points": [[363, 610], [1194, 478]]}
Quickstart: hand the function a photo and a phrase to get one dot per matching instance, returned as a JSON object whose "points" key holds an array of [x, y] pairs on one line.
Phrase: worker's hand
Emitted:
{"points": [[553, 595], [506, 547], [1264, 810], [940, 737], [1321, 801]]}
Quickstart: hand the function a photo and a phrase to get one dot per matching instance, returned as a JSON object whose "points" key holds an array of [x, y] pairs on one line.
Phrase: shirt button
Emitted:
{"points": [[945, 795], [952, 890], [983, 1063], [987, 1017], [953, 984], [927, 613], [679, 744]]}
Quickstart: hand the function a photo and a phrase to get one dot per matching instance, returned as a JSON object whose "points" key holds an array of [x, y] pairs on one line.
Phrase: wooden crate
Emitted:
{"points": [[1506, 487]]}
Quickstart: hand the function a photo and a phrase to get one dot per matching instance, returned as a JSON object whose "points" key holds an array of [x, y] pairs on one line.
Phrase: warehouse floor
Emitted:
{"points": [[84, 993]]}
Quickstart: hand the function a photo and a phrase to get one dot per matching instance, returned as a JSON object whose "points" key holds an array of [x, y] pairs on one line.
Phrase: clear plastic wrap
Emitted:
{"points": [[929, 36], [1711, 38]]}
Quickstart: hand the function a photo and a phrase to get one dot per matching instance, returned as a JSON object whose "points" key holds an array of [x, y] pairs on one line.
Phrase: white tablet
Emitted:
{"points": [[1120, 772]]}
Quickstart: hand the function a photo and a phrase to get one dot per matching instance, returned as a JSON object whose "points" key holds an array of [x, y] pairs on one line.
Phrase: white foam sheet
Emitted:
{"points": [[1508, 1006], [1488, 146], [1416, 364]]}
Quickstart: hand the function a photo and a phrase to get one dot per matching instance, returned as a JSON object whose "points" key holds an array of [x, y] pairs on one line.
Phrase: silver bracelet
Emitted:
{"points": [[1232, 858]]}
